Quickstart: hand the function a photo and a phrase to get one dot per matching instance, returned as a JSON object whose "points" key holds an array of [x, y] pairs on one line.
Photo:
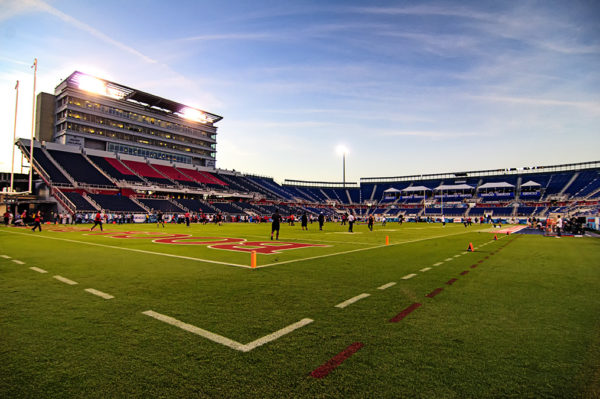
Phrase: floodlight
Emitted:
{"points": [[193, 114], [92, 84], [341, 149]]}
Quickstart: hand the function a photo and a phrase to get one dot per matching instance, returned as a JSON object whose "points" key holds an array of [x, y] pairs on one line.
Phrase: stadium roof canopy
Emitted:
{"points": [[392, 190], [416, 188], [121, 92], [453, 187], [500, 184], [530, 183]]}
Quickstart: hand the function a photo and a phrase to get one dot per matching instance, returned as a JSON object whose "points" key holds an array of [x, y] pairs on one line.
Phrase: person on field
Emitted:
{"points": [[351, 223], [559, 226], [370, 222], [187, 219], [160, 219], [97, 221], [275, 224], [304, 220], [37, 221], [321, 220]]}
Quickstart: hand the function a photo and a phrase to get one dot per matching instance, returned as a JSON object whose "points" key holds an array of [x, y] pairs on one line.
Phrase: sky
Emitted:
{"points": [[408, 87]]}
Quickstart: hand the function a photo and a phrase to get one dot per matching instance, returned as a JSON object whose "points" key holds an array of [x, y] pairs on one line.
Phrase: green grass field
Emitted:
{"points": [[523, 322]]}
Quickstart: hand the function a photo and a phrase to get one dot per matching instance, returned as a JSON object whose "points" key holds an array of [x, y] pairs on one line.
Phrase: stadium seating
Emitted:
{"points": [[81, 204], [114, 169], [160, 205], [176, 175], [116, 203], [55, 175], [226, 207], [147, 172], [79, 168]]}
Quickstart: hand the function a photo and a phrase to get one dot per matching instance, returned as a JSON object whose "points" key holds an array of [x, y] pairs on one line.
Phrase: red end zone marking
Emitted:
{"points": [[405, 312], [434, 292], [451, 281], [463, 273], [323, 370]]}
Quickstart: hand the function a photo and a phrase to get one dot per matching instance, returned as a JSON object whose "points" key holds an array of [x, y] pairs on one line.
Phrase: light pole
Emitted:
{"points": [[12, 164], [34, 66], [342, 150]]}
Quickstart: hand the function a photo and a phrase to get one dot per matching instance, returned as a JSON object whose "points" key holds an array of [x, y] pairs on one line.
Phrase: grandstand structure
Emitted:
{"points": [[85, 180], [105, 146]]}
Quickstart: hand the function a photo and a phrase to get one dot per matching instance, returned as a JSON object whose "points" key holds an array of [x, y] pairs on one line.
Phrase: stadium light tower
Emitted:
{"points": [[343, 150]]}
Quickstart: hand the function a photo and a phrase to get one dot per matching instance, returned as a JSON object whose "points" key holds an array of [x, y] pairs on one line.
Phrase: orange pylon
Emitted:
{"points": [[387, 240], [253, 259], [470, 249]]}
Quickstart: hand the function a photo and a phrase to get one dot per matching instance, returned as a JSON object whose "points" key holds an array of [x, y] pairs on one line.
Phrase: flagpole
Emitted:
{"points": [[34, 66], [12, 164]]}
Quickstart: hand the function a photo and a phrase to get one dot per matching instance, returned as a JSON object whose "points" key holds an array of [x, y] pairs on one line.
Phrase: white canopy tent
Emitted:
{"points": [[449, 187], [501, 184]]}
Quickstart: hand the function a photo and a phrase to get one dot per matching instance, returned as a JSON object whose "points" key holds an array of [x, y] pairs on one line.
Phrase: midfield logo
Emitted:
{"points": [[223, 243]]}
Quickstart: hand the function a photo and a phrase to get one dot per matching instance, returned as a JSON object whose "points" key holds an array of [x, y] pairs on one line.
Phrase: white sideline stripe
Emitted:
{"points": [[437, 264], [130, 249], [456, 256], [224, 340], [351, 301], [448, 259], [99, 293], [385, 286], [425, 269], [464, 253], [408, 276], [37, 269], [5, 256], [350, 251], [65, 280], [18, 262]]}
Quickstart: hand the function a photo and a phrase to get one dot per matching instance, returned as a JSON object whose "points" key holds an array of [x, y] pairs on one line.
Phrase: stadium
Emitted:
{"points": [[462, 284]]}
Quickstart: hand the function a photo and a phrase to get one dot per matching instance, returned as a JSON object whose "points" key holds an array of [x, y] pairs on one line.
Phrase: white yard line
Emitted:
{"points": [[358, 250], [386, 286], [464, 253], [130, 249], [447, 259], [425, 269], [37, 269], [456, 256], [437, 264], [310, 239], [5, 256], [224, 340], [18, 262], [99, 293], [351, 301], [65, 280], [408, 276]]}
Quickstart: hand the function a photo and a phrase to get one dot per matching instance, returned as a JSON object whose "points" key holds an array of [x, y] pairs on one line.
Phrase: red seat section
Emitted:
{"points": [[143, 169], [118, 166], [202, 177], [172, 173]]}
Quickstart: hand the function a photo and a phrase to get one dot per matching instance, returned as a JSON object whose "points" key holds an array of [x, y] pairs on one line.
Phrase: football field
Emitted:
{"points": [[146, 311]]}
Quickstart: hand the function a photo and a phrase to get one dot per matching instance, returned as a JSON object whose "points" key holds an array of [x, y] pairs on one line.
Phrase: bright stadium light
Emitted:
{"points": [[92, 84], [341, 149], [193, 114]]}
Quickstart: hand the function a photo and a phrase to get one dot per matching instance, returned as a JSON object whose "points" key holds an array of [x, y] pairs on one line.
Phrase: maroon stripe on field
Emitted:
{"points": [[451, 281], [486, 257], [405, 312], [463, 273], [326, 368], [434, 292], [480, 261], [473, 266]]}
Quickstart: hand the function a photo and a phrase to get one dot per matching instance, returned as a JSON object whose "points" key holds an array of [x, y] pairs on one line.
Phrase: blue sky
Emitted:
{"points": [[409, 87]]}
